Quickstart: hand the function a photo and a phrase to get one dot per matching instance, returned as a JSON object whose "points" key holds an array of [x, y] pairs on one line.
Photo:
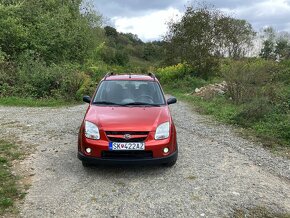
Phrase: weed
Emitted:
{"points": [[31, 102], [9, 189]]}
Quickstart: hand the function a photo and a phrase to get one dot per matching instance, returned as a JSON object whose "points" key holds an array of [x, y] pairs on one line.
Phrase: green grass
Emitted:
{"points": [[9, 189], [221, 109], [31, 102], [274, 126], [258, 212]]}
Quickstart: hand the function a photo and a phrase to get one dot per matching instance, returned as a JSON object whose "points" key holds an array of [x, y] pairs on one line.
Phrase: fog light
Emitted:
{"points": [[88, 150], [165, 150]]}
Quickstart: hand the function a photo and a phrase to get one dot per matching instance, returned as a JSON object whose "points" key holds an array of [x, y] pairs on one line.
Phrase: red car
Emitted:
{"points": [[128, 122]]}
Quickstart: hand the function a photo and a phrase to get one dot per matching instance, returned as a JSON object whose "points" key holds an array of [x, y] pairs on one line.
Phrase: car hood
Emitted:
{"points": [[128, 118]]}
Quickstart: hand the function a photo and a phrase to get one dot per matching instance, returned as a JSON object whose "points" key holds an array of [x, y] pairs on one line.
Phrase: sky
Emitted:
{"points": [[148, 18]]}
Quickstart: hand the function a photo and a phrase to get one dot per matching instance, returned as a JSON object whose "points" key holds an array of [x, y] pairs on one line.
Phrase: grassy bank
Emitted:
{"points": [[9, 189], [31, 102], [272, 130], [258, 212]]}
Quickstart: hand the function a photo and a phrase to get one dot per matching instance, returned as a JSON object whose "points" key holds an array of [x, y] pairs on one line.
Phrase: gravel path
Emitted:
{"points": [[216, 173]]}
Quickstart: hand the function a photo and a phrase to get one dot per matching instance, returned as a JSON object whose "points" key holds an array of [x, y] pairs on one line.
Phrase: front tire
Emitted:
{"points": [[86, 164], [172, 162]]}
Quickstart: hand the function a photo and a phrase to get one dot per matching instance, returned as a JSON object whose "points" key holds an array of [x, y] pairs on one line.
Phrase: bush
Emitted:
{"points": [[7, 78], [179, 77], [254, 111], [75, 84], [249, 80], [262, 88], [33, 78], [274, 128], [168, 74]]}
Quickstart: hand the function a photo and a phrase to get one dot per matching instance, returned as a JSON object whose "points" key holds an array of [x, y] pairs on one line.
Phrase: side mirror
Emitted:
{"points": [[171, 100], [87, 99]]}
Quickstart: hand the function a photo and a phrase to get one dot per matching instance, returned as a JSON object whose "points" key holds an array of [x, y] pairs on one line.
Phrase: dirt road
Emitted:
{"points": [[217, 171]]}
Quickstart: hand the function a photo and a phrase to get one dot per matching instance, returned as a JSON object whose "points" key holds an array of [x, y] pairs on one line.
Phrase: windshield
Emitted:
{"points": [[124, 92]]}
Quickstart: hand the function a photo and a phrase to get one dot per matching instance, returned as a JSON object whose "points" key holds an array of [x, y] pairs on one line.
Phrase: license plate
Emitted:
{"points": [[131, 146]]}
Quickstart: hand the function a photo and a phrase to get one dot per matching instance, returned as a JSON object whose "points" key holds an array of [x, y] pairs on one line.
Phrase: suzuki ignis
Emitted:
{"points": [[128, 122]]}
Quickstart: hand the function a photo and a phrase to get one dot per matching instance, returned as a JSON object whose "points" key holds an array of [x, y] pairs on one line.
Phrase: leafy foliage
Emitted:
{"points": [[43, 46], [204, 35], [178, 77], [121, 47], [248, 80], [276, 46], [54, 31], [236, 37], [260, 92]]}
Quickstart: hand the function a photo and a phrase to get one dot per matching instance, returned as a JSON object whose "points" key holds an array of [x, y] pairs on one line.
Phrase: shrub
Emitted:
{"points": [[8, 77], [249, 80], [167, 74], [2, 56], [87, 88], [274, 128], [254, 111], [33, 78], [263, 90], [179, 77]]}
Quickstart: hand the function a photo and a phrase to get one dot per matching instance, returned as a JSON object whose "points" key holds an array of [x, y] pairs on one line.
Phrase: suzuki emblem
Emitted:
{"points": [[127, 136]]}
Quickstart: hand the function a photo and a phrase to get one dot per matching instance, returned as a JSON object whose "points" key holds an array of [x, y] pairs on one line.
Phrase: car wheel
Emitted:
{"points": [[170, 164], [86, 164]]}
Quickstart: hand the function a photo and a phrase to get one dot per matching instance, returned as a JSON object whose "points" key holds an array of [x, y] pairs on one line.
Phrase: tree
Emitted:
{"points": [[267, 51], [121, 57], [282, 48], [56, 31], [268, 47], [235, 37], [203, 35], [193, 40], [152, 51], [111, 32], [13, 34]]}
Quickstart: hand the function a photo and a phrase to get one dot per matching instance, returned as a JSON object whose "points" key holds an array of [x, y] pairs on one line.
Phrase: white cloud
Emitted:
{"points": [[150, 24], [264, 13], [148, 27], [266, 9]]}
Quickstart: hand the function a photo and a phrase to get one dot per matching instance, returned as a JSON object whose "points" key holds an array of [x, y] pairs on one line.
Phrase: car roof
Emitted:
{"points": [[150, 77]]}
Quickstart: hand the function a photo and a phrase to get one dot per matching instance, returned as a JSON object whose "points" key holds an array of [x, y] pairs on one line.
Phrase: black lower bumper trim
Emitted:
{"points": [[128, 161]]}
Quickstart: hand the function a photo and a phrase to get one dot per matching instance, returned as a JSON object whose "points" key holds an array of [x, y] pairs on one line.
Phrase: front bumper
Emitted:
{"points": [[128, 161]]}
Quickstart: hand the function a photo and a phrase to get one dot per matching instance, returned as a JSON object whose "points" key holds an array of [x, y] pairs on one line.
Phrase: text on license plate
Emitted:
{"points": [[126, 146]]}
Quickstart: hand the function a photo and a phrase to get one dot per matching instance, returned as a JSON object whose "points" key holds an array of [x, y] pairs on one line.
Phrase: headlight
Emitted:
{"points": [[162, 131], [91, 130]]}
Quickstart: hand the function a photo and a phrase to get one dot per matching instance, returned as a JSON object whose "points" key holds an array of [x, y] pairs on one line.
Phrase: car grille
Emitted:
{"points": [[127, 154], [119, 136], [114, 139], [126, 132]]}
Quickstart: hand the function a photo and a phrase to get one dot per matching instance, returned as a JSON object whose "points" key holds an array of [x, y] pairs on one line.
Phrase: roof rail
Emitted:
{"points": [[152, 75], [109, 74]]}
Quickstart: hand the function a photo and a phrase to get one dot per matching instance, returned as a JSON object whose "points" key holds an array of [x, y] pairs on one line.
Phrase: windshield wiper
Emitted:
{"points": [[106, 103], [141, 103]]}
